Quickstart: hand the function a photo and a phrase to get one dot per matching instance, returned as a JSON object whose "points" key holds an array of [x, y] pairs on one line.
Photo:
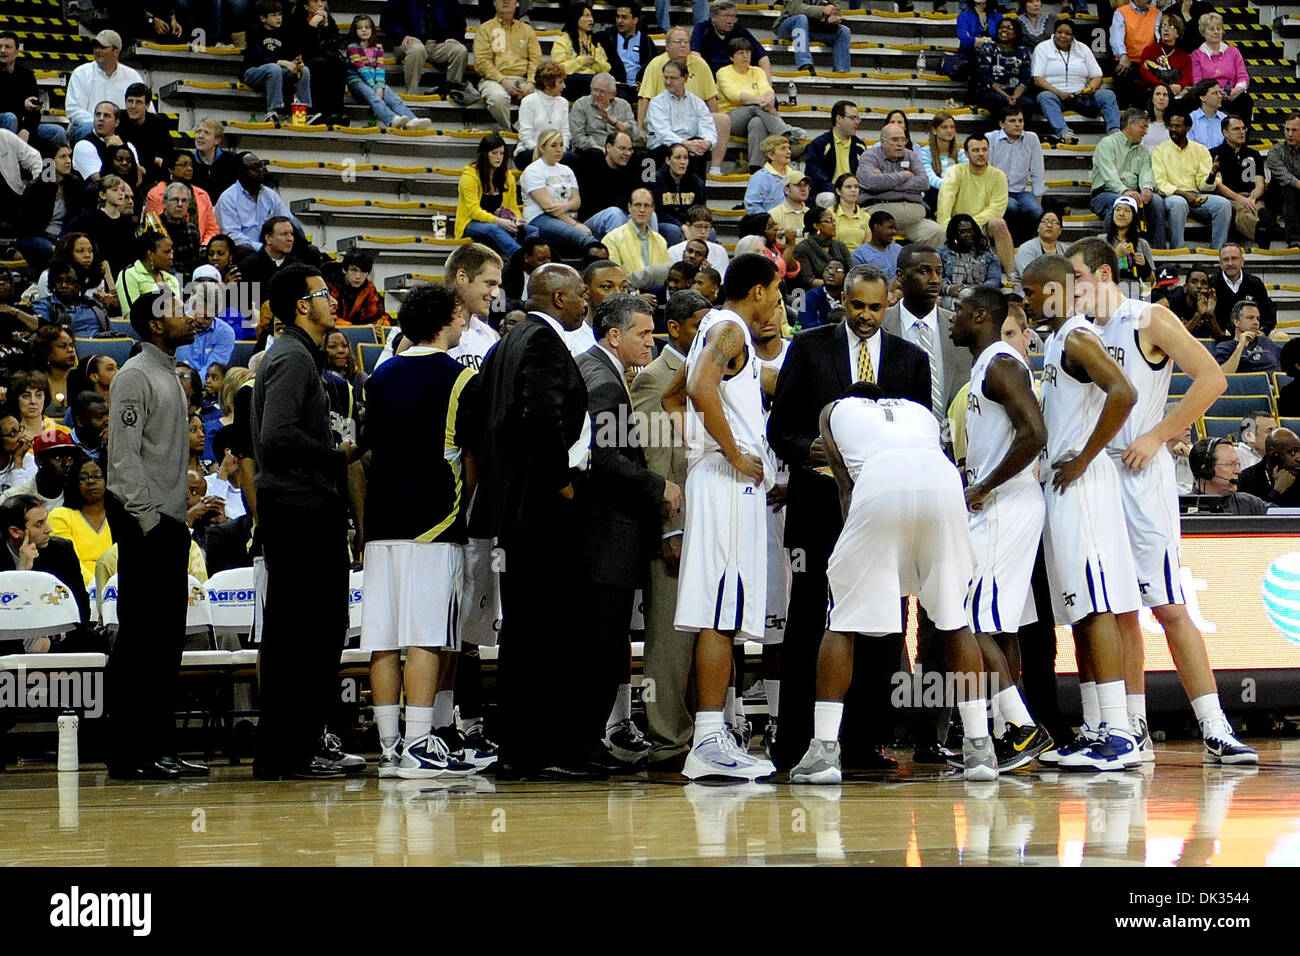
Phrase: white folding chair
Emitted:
{"points": [[108, 603], [35, 604], [231, 597]]}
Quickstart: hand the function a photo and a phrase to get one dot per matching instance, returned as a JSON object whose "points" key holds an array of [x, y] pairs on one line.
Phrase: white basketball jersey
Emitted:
{"points": [[864, 429], [475, 342], [741, 394], [1070, 407], [988, 427], [1120, 336]]}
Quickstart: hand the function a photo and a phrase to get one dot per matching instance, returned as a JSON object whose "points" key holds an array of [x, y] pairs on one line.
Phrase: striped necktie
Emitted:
{"points": [[921, 336], [865, 372]]}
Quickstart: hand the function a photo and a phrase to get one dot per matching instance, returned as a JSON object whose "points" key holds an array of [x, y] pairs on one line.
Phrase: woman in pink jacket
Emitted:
{"points": [[1216, 60]]}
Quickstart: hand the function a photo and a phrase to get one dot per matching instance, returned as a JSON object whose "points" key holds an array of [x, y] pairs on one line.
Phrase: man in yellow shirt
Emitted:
{"points": [[788, 214], [1184, 174], [980, 191], [506, 56], [634, 246], [699, 80]]}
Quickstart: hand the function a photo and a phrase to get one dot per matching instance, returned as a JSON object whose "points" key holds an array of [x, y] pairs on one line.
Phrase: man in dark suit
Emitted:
{"points": [[533, 448], [29, 547], [1233, 283], [822, 363], [623, 515]]}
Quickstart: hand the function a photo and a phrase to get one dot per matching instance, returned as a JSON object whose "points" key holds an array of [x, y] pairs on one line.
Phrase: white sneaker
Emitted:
{"points": [[1222, 746], [718, 756], [420, 122], [1142, 734], [1113, 750], [429, 757], [389, 760], [979, 762], [399, 122]]}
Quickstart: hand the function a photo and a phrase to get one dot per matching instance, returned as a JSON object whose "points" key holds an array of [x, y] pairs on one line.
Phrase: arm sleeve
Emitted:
{"points": [[563, 53], [708, 129], [1161, 174], [534, 57], [129, 407], [947, 196], [74, 103], [1118, 30], [1277, 169], [658, 435], [225, 346]]}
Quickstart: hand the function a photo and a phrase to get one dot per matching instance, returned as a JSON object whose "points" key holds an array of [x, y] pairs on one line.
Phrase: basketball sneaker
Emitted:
{"points": [[330, 748], [389, 759], [819, 764], [742, 732], [1084, 739], [1142, 734], [718, 756], [459, 746], [1222, 746], [769, 738], [429, 757], [626, 743], [1020, 745], [1112, 750], [978, 760]]}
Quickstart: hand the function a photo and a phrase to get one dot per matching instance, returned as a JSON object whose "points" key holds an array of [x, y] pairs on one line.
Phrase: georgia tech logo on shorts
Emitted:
{"points": [[57, 596]]}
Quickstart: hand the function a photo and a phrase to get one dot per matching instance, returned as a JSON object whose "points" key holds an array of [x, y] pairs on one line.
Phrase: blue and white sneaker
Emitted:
{"points": [[1222, 746], [1142, 734], [717, 755], [390, 757], [479, 756], [1084, 739], [1113, 750], [429, 757]]}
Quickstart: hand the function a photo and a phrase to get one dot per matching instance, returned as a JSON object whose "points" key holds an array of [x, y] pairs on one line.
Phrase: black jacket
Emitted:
{"points": [[1251, 285], [608, 39], [1255, 481], [435, 20], [819, 162], [15, 88], [816, 373], [58, 558], [674, 197], [623, 495], [37, 204]]}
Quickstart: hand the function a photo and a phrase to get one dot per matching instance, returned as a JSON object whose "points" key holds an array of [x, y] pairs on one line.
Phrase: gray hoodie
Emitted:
{"points": [[148, 438]]}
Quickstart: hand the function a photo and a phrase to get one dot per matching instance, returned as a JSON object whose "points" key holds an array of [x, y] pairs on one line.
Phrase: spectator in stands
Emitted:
{"points": [[17, 464], [880, 250], [593, 117], [192, 385], [1035, 23], [834, 153], [766, 240], [1125, 233], [1220, 61], [1274, 478], [577, 50], [818, 248], [676, 190], [25, 399], [187, 246], [745, 93], [55, 454], [1164, 61], [1193, 302], [1068, 76], [1241, 173], [852, 225], [1046, 242], [214, 341], [67, 307], [48, 203], [941, 152], [507, 56], [202, 512], [893, 179], [696, 227], [979, 190], [245, 206], [366, 80], [19, 163], [271, 63], [1121, 166], [54, 353], [628, 46], [120, 162], [1288, 396], [1132, 31], [789, 213], [257, 268], [20, 101], [533, 253], [341, 359], [551, 197], [146, 131], [1185, 176], [1232, 284], [1019, 154], [29, 547], [224, 483], [90, 83], [359, 302], [767, 185], [15, 322], [710, 38], [152, 271], [82, 519], [487, 204], [1254, 433], [608, 180], [1002, 77], [897, 117], [1217, 459], [198, 210], [1250, 349], [967, 260], [221, 262], [679, 116], [699, 80], [430, 31], [708, 282], [542, 110], [1158, 104], [635, 246], [321, 51], [823, 300], [199, 456], [93, 271], [1190, 12], [1283, 193], [215, 169], [803, 22], [977, 26], [93, 152], [1207, 121]]}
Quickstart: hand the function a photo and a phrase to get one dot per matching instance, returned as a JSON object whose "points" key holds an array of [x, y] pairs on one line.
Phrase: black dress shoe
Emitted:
{"points": [[154, 770], [874, 758], [571, 774], [186, 768], [935, 753]]}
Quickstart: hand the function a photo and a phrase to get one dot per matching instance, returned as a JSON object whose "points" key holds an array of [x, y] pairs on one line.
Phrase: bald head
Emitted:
{"points": [[557, 290], [893, 141], [1281, 442]]}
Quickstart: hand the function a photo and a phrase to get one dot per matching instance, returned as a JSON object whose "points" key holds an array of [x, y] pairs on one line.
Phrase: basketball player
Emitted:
{"points": [[723, 579], [904, 533], [1147, 341], [414, 554], [1086, 398], [1004, 435]]}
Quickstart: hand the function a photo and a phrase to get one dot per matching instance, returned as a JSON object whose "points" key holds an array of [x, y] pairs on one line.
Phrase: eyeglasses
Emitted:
{"points": [[90, 479], [319, 294]]}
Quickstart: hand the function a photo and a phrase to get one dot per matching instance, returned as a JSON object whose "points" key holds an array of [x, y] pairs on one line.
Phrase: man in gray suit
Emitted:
{"points": [[625, 503], [668, 651]]}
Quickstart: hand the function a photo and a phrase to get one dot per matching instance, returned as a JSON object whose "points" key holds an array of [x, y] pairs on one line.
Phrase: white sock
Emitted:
{"points": [[1207, 707], [419, 721], [388, 717], [826, 719], [443, 711], [622, 709], [773, 688], [1012, 706], [997, 722], [707, 722], [974, 717], [1091, 709], [1137, 705], [1110, 699]]}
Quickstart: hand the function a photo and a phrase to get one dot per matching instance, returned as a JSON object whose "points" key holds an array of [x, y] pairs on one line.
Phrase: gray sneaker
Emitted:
{"points": [[389, 760], [820, 764], [979, 760]]}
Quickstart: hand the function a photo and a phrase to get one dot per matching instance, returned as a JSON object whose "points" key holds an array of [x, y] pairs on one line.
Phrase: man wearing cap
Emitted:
{"points": [[105, 79], [55, 453], [788, 214]]}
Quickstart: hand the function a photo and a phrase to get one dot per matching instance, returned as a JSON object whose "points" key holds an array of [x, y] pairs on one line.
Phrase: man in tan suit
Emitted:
{"points": [[668, 651]]}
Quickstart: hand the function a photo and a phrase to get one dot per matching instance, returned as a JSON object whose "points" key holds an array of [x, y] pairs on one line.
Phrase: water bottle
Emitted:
{"points": [[299, 114], [792, 94], [920, 62], [67, 760]]}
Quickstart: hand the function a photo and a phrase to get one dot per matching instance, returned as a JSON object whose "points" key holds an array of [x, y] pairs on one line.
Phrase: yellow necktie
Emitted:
{"points": [[865, 371]]}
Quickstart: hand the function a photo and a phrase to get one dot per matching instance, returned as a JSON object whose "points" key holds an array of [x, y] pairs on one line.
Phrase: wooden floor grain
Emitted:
{"points": [[1178, 813]]}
